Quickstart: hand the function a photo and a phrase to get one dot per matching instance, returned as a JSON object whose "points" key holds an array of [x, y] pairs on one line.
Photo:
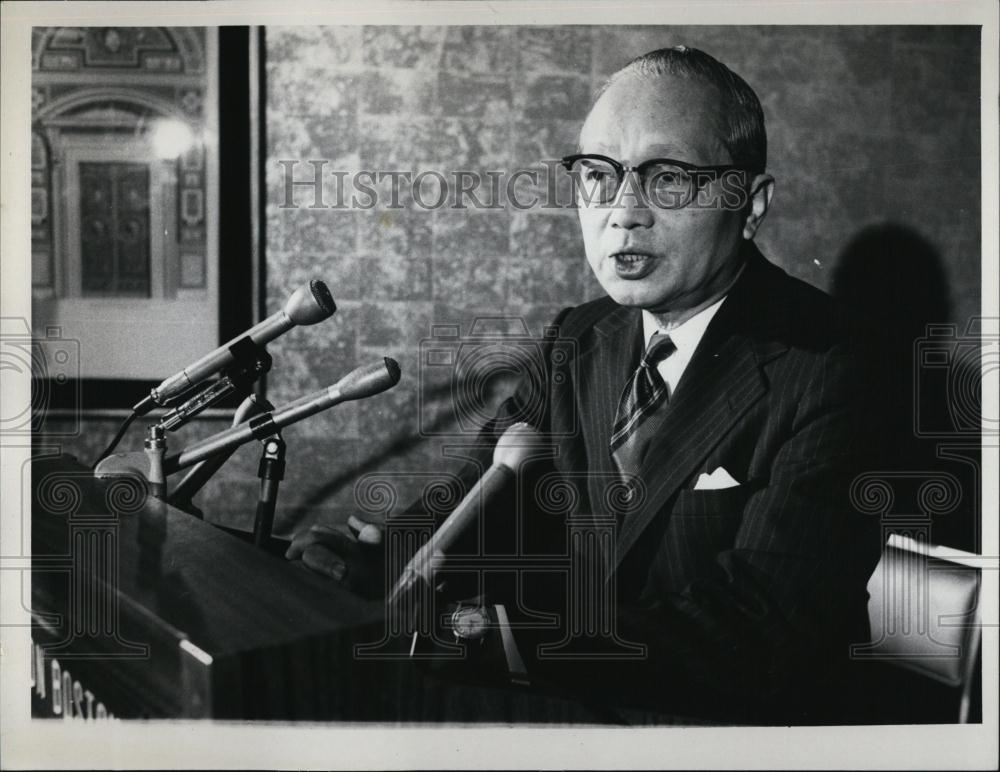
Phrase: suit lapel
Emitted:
{"points": [[717, 388], [603, 372], [721, 382]]}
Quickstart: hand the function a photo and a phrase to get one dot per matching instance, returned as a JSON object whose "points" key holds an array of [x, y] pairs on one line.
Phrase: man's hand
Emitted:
{"points": [[351, 554]]}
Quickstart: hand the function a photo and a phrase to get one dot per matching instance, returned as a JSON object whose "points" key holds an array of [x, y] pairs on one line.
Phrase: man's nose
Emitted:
{"points": [[630, 208]]}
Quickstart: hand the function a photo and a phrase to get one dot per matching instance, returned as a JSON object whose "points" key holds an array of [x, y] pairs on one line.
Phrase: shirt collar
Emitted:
{"points": [[686, 335]]}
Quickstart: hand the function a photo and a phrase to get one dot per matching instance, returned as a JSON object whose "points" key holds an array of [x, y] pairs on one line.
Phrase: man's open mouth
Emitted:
{"points": [[631, 257], [633, 265]]}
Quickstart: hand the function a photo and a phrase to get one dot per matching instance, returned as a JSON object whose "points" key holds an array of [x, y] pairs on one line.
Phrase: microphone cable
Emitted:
{"points": [[117, 438]]}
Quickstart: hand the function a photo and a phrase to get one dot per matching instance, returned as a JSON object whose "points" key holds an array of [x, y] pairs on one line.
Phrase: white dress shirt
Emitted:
{"points": [[685, 336]]}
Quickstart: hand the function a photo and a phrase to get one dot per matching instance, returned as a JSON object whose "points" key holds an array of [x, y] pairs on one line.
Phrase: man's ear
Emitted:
{"points": [[761, 190]]}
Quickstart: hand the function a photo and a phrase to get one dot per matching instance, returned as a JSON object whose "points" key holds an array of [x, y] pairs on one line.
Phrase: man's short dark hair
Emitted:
{"points": [[742, 116]]}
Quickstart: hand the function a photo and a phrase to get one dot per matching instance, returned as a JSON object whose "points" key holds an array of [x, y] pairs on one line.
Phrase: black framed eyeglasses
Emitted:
{"points": [[665, 182]]}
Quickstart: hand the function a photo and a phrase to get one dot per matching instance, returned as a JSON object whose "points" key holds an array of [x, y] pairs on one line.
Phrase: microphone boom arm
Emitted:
{"points": [[362, 382]]}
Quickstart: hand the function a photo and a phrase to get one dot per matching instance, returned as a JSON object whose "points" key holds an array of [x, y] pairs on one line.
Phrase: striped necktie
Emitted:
{"points": [[642, 395]]}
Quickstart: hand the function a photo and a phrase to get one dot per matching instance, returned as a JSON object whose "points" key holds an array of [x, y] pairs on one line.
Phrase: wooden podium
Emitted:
{"points": [[141, 610]]}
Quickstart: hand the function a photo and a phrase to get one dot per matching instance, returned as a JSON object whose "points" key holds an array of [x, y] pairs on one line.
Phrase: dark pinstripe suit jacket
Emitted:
{"points": [[750, 592]]}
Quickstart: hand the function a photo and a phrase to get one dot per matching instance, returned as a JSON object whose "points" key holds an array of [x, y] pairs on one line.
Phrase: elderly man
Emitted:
{"points": [[731, 398]]}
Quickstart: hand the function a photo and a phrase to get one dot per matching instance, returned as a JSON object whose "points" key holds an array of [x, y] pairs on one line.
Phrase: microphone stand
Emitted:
{"points": [[360, 383], [271, 472], [155, 447], [252, 361], [202, 472]]}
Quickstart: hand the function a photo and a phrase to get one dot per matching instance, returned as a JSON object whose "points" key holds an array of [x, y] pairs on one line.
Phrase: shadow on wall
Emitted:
{"points": [[896, 277], [297, 516], [486, 392]]}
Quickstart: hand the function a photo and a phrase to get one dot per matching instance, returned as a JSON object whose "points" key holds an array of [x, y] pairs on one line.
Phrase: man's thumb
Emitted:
{"points": [[367, 533]]}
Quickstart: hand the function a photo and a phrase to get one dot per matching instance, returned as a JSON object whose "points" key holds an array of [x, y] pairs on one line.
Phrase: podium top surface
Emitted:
{"points": [[281, 638], [223, 594]]}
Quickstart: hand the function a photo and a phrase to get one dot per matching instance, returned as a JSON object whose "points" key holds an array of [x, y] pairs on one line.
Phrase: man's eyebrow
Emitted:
{"points": [[668, 151], [651, 151]]}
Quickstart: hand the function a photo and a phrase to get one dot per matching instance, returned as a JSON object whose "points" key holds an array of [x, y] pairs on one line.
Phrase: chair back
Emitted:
{"points": [[923, 610]]}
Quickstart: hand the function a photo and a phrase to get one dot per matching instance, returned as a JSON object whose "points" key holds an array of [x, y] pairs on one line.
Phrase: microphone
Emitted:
{"points": [[309, 304], [365, 381], [519, 443]]}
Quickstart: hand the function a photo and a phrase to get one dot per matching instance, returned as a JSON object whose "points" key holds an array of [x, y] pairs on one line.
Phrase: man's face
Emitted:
{"points": [[663, 260]]}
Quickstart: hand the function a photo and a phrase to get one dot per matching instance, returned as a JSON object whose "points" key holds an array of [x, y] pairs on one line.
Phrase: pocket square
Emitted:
{"points": [[718, 480]]}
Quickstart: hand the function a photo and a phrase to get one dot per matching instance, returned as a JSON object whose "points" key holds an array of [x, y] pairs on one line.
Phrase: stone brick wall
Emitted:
{"points": [[874, 142], [868, 126]]}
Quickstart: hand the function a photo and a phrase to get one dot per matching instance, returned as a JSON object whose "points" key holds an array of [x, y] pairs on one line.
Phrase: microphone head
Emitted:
{"points": [[310, 303], [369, 380], [516, 445]]}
